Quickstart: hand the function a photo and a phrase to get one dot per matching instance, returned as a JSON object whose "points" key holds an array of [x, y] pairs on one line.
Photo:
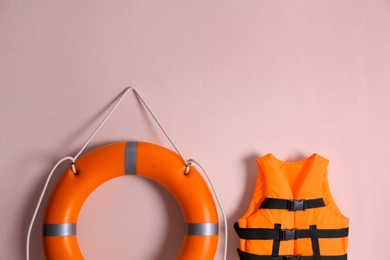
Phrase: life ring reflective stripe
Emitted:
{"points": [[119, 159]]}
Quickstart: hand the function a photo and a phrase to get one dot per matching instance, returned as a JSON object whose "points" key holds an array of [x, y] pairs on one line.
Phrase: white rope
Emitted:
{"points": [[73, 159], [39, 204], [109, 114], [190, 161]]}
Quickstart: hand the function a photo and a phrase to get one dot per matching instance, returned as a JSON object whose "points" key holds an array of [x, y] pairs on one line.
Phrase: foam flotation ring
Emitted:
{"points": [[131, 158]]}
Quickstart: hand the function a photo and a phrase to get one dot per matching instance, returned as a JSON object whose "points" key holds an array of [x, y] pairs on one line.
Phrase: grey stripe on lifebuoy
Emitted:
{"points": [[202, 229], [59, 230], [131, 158]]}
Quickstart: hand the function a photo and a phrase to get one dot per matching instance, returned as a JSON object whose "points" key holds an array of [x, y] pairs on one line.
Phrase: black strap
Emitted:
{"points": [[292, 205], [286, 234], [276, 243], [314, 242], [248, 256]]}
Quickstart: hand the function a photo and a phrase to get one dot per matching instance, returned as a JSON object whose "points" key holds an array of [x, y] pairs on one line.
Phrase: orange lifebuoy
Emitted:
{"points": [[119, 159]]}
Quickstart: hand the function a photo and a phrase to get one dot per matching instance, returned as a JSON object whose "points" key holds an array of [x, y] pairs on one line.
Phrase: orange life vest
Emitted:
{"points": [[292, 214]]}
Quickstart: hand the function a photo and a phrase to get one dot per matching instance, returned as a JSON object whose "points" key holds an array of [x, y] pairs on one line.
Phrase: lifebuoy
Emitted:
{"points": [[131, 158]]}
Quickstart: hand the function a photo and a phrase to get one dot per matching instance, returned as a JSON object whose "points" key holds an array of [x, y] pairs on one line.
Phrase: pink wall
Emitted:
{"points": [[230, 80]]}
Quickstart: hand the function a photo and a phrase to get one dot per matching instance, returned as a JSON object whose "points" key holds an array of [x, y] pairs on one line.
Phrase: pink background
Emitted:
{"points": [[230, 81]]}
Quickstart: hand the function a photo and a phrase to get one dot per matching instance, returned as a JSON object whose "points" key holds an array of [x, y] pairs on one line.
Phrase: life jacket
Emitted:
{"points": [[292, 214]]}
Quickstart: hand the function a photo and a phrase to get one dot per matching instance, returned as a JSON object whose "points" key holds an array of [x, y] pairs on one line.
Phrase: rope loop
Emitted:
{"points": [[188, 166], [75, 172]]}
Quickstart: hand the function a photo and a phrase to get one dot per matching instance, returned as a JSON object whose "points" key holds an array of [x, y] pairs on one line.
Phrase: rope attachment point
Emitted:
{"points": [[75, 172], [188, 166]]}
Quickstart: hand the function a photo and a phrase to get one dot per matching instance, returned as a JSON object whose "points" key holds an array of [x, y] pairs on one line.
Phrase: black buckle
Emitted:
{"points": [[291, 257], [295, 205], [287, 234]]}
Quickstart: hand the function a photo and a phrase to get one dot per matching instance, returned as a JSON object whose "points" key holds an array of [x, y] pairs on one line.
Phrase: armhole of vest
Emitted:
{"points": [[330, 200], [344, 221], [258, 194]]}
